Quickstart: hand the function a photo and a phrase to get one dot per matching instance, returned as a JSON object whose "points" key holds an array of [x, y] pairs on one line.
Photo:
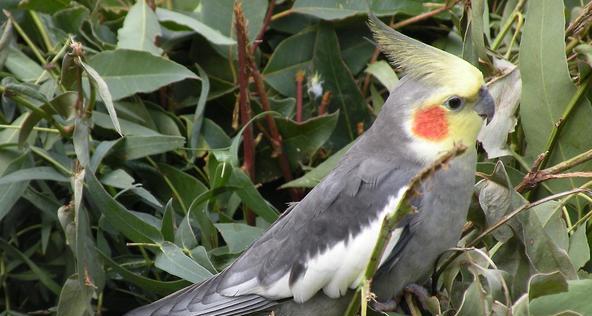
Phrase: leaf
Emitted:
{"points": [[35, 173], [579, 249], [316, 175], [74, 299], [184, 187], [62, 105], [198, 116], [547, 89], [118, 216], [101, 151], [174, 261], [213, 35], [21, 66], [341, 9], [238, 236], [250, 196], [80, 139], [576, 299], [506, 91], [383, 71], [127, 72], [168, 226], [546, 284], [43, 276], [44, 6], [104, 93], [135, 147], [544, 254], [147, 284], [291, 55], [219, 15], [140, 29], [345, 93], [11, 192]]}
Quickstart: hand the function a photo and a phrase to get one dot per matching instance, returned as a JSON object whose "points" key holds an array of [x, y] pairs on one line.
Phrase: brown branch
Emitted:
{"points": [[324, 103], [536, 176], [244, 104], [264, 27], [299, 81]]}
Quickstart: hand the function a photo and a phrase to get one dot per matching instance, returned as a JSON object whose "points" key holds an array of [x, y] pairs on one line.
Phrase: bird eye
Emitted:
{"points": [[454, 103]]}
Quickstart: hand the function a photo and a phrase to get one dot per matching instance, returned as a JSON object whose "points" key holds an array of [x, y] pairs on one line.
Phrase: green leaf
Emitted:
{"points": [[168, 226], [44, 6], [135, 147], [576, 299], [35, 173], [11, 192], [101, 152], [579, 249], [190, 23], [21, 66], [80, 139], [127, 72], [43, 276], [184, 187], [345, 93], [147, 284], [140, 29], [174, 261], [341, 9], [547, 89], [104, 92], [62, 105], [118, 216], [292, 54], [546, 284], [74, 299], [198, 116], [316, 175], [219, 15], [250, 196], [383, 71], [238, 236]]}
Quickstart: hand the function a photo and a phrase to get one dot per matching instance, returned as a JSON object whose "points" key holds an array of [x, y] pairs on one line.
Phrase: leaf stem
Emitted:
{"points": [[506, 27], [42, 31], [39, 129], [25, 37]]}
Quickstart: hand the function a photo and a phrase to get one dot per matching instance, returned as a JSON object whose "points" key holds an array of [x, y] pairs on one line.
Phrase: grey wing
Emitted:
{"points": [[339, 207]]}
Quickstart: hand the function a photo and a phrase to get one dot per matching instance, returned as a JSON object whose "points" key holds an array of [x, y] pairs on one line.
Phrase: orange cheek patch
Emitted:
{"points": [[430, 123]]}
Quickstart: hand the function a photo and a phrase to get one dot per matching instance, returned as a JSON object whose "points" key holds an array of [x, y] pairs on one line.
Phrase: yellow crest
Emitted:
{"points": [[426, 63]]}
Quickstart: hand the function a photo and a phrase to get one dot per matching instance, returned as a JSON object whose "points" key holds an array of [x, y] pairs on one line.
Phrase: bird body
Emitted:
{"points": [[317, 251]]}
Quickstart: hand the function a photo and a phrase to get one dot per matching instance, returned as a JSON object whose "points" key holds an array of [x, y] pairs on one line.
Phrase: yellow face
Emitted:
{"points": [[444, 120]]}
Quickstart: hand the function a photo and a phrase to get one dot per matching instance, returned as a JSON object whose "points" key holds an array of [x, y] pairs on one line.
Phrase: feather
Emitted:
{"points": [[426, 63]]}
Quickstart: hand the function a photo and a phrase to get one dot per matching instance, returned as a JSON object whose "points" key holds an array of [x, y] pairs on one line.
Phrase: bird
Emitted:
{"points": [[313, 257]]}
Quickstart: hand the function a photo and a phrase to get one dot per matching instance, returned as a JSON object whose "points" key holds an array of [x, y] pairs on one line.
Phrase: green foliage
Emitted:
{"points": [[122, 151]]}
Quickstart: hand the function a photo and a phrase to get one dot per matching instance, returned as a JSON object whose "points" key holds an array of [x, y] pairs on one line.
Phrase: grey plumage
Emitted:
{"points": [[287, 264]]}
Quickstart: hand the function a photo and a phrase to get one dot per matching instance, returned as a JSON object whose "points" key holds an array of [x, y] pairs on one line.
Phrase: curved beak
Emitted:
{"points": [[485, 106]]}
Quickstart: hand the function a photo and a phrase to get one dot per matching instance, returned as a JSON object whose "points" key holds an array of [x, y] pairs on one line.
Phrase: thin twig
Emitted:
{"points": [[299, 81], [264, 27], [324, 103], [244, 104]]}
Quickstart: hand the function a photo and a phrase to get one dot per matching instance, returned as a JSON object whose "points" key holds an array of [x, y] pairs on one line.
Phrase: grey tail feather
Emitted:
{"points": [[191, 301]]}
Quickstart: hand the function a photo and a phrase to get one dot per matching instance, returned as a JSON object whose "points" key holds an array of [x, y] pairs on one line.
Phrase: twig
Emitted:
{"points": [[264, 27], [275, 136], [535, 175], [324, 103], [504, 220], [244, 104], [299, 80]]}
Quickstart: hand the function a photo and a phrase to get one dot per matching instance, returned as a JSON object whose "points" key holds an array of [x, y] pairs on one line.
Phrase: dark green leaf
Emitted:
{"points": [[11, 192], [238, 236], [546, 284], [140, 30], [135, 147], [127, 72], [213, 35], [74, 299], [576, 299], [174, 261]]}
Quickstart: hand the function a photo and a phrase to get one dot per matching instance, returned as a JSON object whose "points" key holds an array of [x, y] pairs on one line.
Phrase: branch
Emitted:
{"points": [[264, 27], [299, 80], [536, 176], [244, 104]]}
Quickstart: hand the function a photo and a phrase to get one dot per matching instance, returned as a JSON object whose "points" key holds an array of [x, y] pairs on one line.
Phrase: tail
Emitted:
{"points": [[203, 300]]}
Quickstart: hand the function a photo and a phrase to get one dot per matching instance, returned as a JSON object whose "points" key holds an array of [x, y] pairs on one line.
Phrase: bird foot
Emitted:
{"points": [[419, 292], [386, 306]]}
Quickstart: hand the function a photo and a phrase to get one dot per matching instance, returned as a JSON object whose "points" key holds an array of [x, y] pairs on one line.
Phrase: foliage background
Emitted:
{"points": [[124, 177]]}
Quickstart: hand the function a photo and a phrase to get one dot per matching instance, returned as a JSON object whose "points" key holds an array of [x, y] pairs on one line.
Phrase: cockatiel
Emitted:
{"points": [[308, 262]]}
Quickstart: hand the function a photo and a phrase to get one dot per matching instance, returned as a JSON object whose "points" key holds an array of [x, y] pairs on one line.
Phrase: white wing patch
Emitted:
{"points": [[339, 267]]}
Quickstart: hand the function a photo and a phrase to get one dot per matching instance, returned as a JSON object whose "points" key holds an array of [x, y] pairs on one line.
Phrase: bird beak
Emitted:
{"points": [[485, 107]]}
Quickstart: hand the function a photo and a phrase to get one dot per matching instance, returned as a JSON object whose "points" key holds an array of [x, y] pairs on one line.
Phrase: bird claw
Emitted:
{"points": [[419, 292], [386, 306]]}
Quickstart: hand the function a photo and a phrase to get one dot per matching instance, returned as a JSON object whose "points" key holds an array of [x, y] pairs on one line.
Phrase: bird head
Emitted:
{"points": [[444, 97]]}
